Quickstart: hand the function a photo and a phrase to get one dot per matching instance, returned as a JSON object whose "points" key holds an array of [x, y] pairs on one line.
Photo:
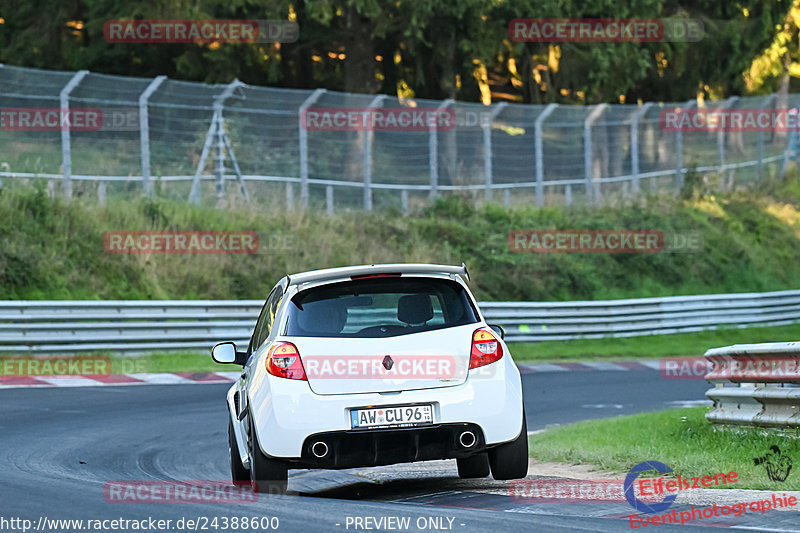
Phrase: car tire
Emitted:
{"points": [[239, 474], [510, 460], [474, 466], [266, 474]]}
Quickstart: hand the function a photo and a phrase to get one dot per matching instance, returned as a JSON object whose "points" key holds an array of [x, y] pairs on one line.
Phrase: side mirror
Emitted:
{"points": [[499, 330], [225, 353]]}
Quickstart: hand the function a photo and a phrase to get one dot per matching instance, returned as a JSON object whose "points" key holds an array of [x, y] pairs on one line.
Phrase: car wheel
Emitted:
{"points": [[239, 474], [474, 466], [266, 474], [510, 460]]}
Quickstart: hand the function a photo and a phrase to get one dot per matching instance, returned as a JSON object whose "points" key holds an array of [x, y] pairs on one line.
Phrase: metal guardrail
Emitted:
{"points": [[755, 385], [141, 326], [124, 325], [539, 321]]}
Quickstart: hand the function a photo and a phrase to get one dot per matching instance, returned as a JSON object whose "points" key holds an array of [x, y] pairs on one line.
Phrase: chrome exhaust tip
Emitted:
{"points": [[319, 449], [467, 439]]}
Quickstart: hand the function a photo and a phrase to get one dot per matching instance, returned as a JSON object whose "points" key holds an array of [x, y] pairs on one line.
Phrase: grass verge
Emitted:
{"points": [[98, 363], [679, 438], [168, 362]]}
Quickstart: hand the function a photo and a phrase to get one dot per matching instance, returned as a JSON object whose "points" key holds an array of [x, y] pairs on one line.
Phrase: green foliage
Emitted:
{"points": [[434, 48], [692, 184], [51, 249]]}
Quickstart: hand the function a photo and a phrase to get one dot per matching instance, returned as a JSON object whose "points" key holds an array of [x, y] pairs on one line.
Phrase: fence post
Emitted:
{"points": [[433, 149], [289, 195], [791, 143], [236, 169], [66, 155], [635, 120], [487, 148], [217, 130], [144, 133], [368, 138], [219, 104], [539, 151], [591, 192], [404, 201], [329, 199], [721, 135], [679, 150], [303, 135], [195, 193], [770, 99]]}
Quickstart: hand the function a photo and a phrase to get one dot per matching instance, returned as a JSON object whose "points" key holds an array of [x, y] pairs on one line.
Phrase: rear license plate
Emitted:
{"points": [[390, 417]]}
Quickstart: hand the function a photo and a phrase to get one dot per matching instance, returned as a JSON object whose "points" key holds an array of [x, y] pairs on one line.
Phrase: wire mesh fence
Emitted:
{"points": [[227, 144]]}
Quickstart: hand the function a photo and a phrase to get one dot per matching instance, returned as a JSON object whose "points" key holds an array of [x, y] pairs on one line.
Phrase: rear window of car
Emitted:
{"points": [[379, 307]]}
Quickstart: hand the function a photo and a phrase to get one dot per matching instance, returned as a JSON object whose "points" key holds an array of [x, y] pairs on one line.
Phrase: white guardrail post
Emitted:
{"points": [[756, 385]]}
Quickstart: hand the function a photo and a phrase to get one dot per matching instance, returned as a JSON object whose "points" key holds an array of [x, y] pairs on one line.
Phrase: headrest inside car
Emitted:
{"points": [[414, 309], [325, 316]]}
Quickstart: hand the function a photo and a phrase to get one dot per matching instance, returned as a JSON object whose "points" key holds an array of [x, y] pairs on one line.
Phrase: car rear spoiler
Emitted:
{"points": [[365, 270]]}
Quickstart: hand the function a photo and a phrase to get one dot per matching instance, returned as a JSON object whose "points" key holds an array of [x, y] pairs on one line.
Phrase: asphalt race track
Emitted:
{"points": [[60, 446], [565, 397]]}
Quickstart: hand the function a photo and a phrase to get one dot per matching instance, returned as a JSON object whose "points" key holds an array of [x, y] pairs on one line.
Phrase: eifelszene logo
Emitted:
{"points": [[662, 485], [638, 504]]}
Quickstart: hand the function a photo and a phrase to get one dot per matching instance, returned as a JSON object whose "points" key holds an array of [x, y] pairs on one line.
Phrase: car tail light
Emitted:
{"points": [[283, 360], [485, 348]]}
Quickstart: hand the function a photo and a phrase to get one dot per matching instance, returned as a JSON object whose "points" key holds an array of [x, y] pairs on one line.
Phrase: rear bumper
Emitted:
{"points": [[360, 448], [288, 415]]}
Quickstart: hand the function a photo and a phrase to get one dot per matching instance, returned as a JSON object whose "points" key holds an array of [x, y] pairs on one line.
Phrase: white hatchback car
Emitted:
{"points": [[373, 365]]}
